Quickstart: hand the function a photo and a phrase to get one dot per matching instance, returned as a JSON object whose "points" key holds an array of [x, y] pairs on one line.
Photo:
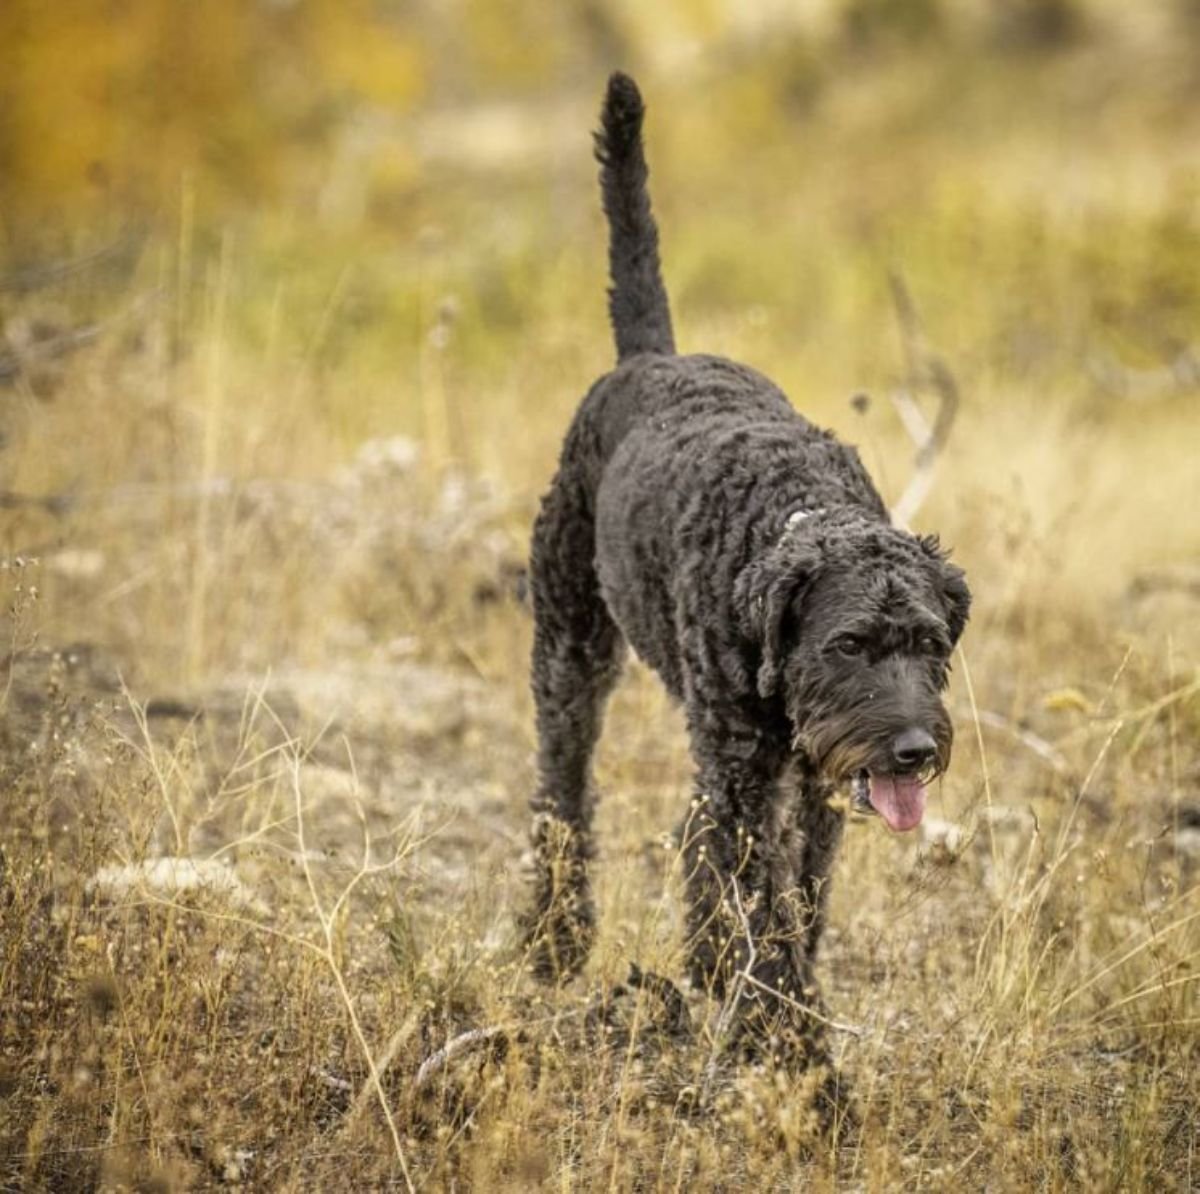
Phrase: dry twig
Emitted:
{"points": [[1180, 375], [1035, 742], [122, 251], [925, 370], [328, 921], [465, 1042], [734, 998]]}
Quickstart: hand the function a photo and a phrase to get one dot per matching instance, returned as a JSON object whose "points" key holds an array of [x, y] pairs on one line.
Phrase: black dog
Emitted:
{"points": [[747, 558]]}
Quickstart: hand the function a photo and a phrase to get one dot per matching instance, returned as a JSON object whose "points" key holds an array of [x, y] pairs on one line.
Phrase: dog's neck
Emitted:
{"points": [[798, 516]]}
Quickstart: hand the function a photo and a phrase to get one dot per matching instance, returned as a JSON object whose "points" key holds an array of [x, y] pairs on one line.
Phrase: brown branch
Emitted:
{"points": [[1183, 579], [138, 494], [1035, 742], [54, 503], [925, 370], [1179, 375], [27, 351], [733, 998], [35, 277], [465, 1042]]}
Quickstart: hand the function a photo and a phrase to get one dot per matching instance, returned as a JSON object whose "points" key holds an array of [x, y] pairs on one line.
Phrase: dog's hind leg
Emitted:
{"points": [[577, 653]]}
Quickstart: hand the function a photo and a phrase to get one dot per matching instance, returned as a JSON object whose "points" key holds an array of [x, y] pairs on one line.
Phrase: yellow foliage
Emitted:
{"points": [[378, 63], [107, 108], [1067, 699]]}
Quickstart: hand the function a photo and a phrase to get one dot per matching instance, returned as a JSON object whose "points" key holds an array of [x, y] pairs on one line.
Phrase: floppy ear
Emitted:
{"points": [[766, 592], [957, 599], [952, 583]]}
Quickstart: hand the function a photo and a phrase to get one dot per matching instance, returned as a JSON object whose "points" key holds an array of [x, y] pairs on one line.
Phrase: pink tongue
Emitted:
{"points": [[899, 800]]}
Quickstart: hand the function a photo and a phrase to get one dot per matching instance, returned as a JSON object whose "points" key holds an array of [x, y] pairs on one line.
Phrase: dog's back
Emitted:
{"points": [[651, 384], [660, 445]]}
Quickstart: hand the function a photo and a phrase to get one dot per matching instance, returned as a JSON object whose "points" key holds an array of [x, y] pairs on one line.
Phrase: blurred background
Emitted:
{"points": [[239, 239], [297, 298]]}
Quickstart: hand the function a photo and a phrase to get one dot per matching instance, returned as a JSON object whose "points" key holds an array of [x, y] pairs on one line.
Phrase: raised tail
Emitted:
{"points": [[637, 299]]}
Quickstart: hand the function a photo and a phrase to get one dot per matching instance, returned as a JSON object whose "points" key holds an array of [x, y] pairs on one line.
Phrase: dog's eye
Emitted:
{"points": [[927, 644], [849, 645]]}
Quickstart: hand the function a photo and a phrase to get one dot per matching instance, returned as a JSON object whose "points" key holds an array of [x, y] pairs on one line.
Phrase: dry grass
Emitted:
{"points": [[300, 665]]}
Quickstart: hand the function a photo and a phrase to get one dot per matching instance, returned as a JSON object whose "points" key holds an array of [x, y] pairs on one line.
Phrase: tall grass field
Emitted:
{"points": [[266, 742]]}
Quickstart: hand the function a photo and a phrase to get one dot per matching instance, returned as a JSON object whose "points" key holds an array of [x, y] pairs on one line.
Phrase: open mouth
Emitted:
{"points": [[898, 799]]}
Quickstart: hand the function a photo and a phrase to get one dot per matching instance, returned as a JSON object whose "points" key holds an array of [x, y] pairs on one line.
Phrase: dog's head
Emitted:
{"points": [[854, 623]]}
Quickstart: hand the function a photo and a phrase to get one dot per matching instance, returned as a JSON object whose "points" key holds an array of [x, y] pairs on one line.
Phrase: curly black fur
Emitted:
{"points": [[746, 557]]}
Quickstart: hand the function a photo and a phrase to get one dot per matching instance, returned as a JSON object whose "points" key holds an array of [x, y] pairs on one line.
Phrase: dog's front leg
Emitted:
{"points": [[745, 923], [822, 824], [818, 832]]}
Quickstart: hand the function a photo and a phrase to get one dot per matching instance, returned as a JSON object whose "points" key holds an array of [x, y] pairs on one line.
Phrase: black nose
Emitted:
{"points": [[913, 749]]}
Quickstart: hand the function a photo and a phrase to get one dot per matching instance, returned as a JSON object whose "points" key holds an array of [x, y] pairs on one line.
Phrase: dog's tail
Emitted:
{"points": [[637, 299]]}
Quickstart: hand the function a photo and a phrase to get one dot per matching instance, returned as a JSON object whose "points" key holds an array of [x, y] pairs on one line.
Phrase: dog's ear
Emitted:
{"points": [[952, 583], [768, 592], [957, 597]]}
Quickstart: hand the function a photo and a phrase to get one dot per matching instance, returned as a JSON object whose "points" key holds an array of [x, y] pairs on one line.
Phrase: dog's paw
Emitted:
{"points": [[833, 1101], [559, 928], [557, 943]]}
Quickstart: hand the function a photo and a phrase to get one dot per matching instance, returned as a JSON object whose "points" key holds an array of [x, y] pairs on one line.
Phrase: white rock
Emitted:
{"points": [[172, 876], [76, 563]]}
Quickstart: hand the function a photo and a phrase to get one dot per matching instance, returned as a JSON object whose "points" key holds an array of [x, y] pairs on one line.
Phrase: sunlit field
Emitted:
{"points": [[270, 459]]}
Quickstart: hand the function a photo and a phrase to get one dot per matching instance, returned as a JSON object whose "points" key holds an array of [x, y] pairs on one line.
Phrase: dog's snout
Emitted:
{"points": [[913, 749]]}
